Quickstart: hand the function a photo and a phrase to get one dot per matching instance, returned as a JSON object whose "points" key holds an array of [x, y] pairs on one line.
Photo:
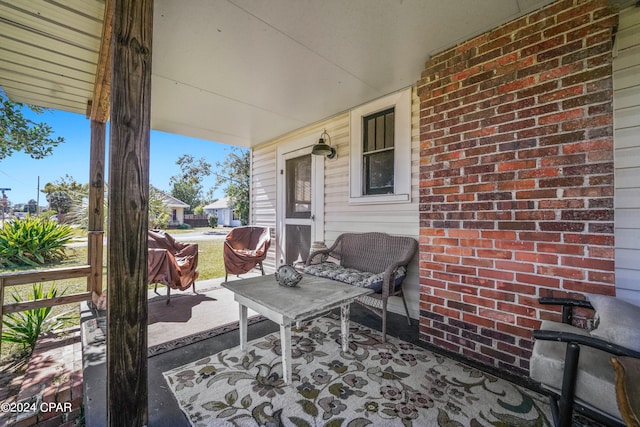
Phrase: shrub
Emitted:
{"points": [[184, 226], [33, 241], [213, 220], [25, 327]]}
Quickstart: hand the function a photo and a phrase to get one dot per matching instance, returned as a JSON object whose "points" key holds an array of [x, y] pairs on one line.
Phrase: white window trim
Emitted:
{"points": [[401, 101]]}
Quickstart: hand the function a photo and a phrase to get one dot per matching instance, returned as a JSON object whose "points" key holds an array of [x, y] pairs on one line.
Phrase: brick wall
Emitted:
{"points": [[516, 179]]}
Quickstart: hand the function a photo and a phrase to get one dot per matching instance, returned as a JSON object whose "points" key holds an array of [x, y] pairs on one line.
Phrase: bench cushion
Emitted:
{"points": [[351, 276]]}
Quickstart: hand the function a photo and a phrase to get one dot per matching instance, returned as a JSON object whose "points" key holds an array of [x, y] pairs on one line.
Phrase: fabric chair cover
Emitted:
{"points": [[171, 263], [244, 248]]}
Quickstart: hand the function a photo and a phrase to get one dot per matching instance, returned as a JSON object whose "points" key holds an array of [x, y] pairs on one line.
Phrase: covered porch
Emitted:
{"points": [[506, 162]]}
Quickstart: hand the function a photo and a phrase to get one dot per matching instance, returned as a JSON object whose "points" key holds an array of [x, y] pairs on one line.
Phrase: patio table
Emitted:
{"points": [[286, 306]]}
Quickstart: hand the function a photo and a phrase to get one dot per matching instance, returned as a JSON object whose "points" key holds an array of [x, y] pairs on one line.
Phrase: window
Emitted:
{"points": [[380, 163], [377, 152]]}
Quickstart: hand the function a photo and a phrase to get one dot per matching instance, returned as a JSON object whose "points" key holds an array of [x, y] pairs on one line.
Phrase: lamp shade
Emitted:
{"points": [[322, 148]]}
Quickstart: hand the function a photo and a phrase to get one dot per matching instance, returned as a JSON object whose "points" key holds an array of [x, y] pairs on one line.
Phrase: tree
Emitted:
{"points": [[17, 133], [65, 192], [236, 181], [32, 206], [158, 209], [67, 184], [60, 201], [187, 186]]}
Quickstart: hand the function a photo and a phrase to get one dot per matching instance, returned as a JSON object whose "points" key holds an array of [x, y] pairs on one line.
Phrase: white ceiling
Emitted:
{"points": [[242, 72]]}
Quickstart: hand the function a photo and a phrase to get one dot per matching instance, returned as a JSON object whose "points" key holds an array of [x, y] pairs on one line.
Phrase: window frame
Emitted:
{"points": [[401, 103]]}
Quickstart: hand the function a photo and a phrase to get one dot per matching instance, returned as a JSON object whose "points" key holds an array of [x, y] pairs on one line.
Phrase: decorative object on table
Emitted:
{"points": [[392, 384], [288, 276]]}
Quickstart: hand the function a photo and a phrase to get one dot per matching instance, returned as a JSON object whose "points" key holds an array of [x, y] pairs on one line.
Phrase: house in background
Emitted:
{"points": [[175, 209], [223, 208]]}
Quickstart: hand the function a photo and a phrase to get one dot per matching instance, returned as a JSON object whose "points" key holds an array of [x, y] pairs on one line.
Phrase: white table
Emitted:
{"points": [[286, 306]]}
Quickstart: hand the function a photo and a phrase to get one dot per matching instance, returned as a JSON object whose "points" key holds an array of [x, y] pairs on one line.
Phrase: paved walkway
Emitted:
{"points": [[49, 392]]}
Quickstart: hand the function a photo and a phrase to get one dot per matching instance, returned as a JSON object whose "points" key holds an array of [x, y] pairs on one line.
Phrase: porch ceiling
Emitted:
{"points": [[242, 71]]}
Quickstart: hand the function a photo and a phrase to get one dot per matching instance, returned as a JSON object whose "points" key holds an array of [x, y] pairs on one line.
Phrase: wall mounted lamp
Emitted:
{"points": [[322, 149]]}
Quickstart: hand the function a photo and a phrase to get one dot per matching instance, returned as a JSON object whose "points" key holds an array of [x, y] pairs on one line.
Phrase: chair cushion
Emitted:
{"points": [[595, 384], [616, 321], [351, 276]]}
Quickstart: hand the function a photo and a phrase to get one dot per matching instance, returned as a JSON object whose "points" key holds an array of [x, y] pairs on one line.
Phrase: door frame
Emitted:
{"points": [[299, 147]]}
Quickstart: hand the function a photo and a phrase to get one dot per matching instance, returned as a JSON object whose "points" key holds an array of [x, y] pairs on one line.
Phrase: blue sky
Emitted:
{"points": [[20, 172]]}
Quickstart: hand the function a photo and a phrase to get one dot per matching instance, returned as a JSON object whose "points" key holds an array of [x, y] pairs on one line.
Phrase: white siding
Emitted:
{"points": [[339, 215], [626, 101], [263, 196]]}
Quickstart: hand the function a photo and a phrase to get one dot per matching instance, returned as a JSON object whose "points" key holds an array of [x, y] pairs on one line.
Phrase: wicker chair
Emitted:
{"points": [[374, 260]]}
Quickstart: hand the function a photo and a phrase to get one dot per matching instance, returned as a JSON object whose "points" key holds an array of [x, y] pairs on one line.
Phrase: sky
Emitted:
{"points": [[20, 172]]}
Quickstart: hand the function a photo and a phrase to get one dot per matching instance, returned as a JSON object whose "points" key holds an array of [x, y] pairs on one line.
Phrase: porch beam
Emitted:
{"points": [[99, 107], [127, 393]]}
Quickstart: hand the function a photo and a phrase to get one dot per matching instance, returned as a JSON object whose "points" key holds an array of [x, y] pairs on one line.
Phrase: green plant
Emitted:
{"points": [[33, 241], [184, 226], [213, 220], [25, 327]]}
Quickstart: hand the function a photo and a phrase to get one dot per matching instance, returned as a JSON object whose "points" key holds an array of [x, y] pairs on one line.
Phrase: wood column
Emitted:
{"points": [[96, 208], [127, 393], [98, 110]]}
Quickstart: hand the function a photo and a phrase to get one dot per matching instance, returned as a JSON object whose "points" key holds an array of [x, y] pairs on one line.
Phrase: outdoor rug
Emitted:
{"points": [[378, 384]]}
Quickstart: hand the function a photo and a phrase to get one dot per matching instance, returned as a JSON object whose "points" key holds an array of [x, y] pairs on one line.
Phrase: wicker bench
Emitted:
{"points": [[373, 260]]}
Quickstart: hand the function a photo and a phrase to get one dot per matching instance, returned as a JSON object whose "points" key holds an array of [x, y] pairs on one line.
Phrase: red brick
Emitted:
{"points": [[494, 295], [569, 273], [479, 302], [514, 330], [515, 266], [516, 288]]}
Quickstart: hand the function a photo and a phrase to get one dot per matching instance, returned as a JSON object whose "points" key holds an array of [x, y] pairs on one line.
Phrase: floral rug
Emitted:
{"points": [[378, 384]]}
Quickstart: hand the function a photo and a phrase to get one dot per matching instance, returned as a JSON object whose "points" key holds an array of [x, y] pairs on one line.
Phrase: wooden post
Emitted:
{"points": [[127, 393], [99, 113], [96, 208]]}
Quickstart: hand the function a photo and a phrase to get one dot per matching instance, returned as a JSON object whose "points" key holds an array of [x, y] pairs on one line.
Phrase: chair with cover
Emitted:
{"points": [[576, 366], [244, 248], [171, 263]]}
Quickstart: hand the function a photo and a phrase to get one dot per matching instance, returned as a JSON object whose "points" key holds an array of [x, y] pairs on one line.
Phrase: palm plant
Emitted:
{"points": [[24, 327], [33, 241]]}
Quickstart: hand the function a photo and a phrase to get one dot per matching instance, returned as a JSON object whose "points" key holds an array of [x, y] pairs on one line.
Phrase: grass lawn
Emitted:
{"points": [[210, 266]]}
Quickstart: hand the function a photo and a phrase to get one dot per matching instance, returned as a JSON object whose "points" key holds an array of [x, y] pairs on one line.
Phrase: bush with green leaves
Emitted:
{"points": [[24, 327], [213, 220], [33, 241]]}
